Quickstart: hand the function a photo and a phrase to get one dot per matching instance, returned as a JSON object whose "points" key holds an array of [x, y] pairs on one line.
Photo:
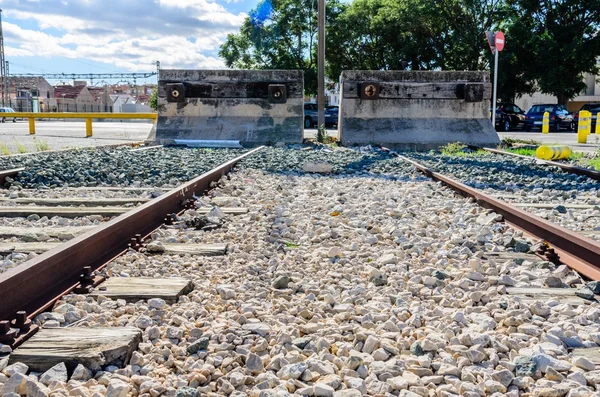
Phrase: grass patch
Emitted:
{"points": [[575, 156], [459, 150], [4, 150], [595, 163], [510, 142], [523, 151], [41, 145], [21, 147]]}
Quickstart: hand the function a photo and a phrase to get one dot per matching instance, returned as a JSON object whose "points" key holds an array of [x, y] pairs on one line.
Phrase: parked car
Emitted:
{"points": [[332, 120], [559, 117], [509, 116], [7, 110], [593, 108], [311, 115]]}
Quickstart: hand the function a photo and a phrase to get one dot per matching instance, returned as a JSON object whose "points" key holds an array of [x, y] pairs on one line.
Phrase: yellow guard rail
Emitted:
{"points": [[87, 116]]}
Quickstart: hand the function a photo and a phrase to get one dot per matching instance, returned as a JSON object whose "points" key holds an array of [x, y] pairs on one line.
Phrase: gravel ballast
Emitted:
{"points": [[369, 281], [523, 181]]}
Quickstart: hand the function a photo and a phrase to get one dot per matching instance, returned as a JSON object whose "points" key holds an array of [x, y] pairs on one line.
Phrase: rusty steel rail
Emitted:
{"points": [[42, 280], [9, 173], [576, 251], [573, 169]]}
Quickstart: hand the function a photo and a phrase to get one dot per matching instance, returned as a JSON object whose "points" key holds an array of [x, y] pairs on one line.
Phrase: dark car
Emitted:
{"points": [[311, 115], [509, 116], [332, 120], [559, 117], [593, 108]]}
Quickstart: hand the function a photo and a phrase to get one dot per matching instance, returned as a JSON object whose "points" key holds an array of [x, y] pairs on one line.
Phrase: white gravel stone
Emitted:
{"points": [[16, 368], [583, 363], [57, 373]]}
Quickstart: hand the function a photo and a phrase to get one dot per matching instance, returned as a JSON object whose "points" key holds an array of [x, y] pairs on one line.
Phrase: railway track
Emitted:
{"points": [[337, 284]]}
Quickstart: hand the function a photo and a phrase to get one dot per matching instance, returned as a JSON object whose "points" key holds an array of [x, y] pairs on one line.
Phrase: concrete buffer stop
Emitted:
{"points": [[416, 109], [250, 106]]}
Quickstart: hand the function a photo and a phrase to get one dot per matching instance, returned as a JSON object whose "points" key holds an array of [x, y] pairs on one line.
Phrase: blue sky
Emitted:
{"points": [[108, 36]]}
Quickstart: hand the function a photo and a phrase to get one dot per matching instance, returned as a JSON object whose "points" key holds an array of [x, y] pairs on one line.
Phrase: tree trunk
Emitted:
{"points": [[562, 99]]}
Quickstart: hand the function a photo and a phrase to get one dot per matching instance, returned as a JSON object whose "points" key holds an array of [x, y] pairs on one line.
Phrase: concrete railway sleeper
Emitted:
{"points": [[331, 285]]}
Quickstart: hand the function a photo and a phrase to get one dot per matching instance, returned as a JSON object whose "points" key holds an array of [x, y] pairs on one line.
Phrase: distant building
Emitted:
{"points": [[118, 100], [75, 99], [590, 94], [24, 91]]}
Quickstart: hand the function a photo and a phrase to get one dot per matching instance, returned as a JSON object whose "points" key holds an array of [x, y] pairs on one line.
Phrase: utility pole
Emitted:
{"points": [[321, 65], [3, 65], [7, 77], [157, 71]]}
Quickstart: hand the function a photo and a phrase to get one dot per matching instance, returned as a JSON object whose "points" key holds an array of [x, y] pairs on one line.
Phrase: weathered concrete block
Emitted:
{"points": [[416, 109], [252, 106]]}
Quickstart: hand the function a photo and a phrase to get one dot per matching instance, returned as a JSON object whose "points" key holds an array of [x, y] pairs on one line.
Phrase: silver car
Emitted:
{"points": [[7, 110]]}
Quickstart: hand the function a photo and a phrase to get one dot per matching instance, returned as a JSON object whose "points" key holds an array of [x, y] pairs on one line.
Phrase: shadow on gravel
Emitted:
{"points": [[502, 173], [345, 164]]}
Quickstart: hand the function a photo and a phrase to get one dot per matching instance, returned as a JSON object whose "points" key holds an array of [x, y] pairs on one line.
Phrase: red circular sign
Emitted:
{"points": [[499, 41]]}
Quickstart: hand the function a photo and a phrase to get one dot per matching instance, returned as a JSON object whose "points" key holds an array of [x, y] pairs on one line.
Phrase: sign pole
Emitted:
{"points": [[495, 88]]}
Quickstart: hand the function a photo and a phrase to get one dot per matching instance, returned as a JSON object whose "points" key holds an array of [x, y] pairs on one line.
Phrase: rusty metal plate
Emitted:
{"points": [[369, 90], [175, 92], [277, 93], [473, 92]]}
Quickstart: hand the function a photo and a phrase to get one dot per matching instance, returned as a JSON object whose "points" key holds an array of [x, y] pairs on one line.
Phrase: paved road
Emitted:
{"points": [[561, 138], [64, 134], [60, 134]]}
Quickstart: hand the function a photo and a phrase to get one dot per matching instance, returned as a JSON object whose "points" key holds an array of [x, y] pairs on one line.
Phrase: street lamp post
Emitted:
{"points": [[321, 65]]}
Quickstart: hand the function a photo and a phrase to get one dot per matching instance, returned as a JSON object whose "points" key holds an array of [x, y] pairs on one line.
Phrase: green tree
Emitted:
{"points": [[413, 34], [555, 43], [153, 100], [279, 34]]}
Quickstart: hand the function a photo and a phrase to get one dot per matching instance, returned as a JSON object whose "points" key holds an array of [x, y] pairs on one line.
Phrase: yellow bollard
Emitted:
{"points": [[88, 128], [584, 127], [546, 123], [553, 152], [31, 126], [597, 124]]}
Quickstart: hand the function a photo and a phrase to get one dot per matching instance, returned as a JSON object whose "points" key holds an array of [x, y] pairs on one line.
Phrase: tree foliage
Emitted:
{"points": [[555, 42], [153, 100], [550, 43], [279, 34]]}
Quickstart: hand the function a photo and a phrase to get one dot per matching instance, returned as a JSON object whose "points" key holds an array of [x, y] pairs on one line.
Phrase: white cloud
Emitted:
{"points": [[131, 34]]}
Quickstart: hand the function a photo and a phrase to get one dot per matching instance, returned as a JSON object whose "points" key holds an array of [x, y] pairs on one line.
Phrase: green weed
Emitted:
{"points": [[21, 147], [459, 150], [41, 145], [290, 245], [575, 156], [523, 151], [4, 150], [510, 142], [595, 163]]}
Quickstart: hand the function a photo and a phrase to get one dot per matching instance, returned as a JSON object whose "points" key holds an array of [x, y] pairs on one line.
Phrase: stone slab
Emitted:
{"points": [[133, 289], [232, 109], [415, 110], [91, 347]]}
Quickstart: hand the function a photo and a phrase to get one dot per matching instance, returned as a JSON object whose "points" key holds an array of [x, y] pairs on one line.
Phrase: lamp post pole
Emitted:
{"points": [[321, 65]]}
